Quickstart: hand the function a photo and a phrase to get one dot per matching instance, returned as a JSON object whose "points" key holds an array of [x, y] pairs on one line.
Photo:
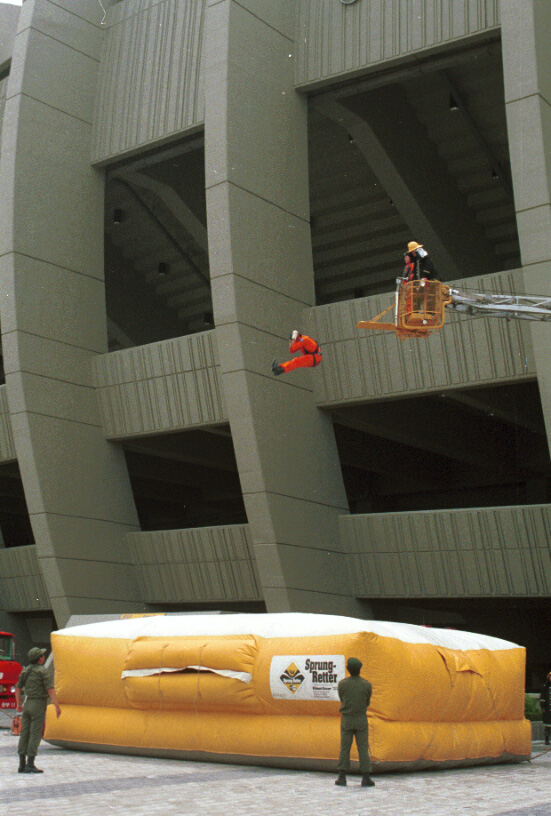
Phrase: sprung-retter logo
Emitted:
{"points": [[292, 678], [306, 677]]}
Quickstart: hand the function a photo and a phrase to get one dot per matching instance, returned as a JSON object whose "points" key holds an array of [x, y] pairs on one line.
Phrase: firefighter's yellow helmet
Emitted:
{"points": [[414, 245]]}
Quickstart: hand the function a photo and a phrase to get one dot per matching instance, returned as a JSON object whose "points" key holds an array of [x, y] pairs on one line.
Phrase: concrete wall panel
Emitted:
{"points": [[52, 302], [82, 30], [360, 364], [75, 474], [529, 120], [63, 211], [526, 31], [22, 586], [208, 564], [45, 357], [486, 552], [160, 387], [151, 77], [278, 255], [264, 97], [76, 95], [276, 15], [7, 447], [46, 396], [335, 39], [3, 91], [63, 536]]}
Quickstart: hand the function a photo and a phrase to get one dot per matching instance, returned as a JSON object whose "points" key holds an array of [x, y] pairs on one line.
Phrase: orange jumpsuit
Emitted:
{"points": [[310, 354]]}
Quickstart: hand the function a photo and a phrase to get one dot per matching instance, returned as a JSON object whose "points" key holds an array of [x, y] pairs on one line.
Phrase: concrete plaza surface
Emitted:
{"points": [[78, 784]]}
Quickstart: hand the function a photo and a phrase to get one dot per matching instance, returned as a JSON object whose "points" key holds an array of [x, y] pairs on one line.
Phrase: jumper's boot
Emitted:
{"points": [[30, 767], [21, 768], [277, 369], [367, 781], [341, 779]]}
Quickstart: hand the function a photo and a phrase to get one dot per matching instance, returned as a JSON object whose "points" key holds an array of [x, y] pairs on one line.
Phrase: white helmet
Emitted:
{"points": [[294, 334]]}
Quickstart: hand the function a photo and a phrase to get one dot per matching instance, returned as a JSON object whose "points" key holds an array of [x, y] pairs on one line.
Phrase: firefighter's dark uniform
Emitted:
{"points": [[34, 681], [355, 696], [418, 265]]}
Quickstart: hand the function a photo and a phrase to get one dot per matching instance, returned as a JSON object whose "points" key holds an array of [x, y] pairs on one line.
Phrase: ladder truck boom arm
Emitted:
{"points": [[527, 307]]}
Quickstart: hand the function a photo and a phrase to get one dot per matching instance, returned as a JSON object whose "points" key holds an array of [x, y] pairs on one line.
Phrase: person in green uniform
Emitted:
{"points": [[36, 681], [355, 696]]}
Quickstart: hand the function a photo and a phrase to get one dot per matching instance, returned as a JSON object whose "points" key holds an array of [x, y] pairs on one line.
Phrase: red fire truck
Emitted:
{"points": [[10, 670]]}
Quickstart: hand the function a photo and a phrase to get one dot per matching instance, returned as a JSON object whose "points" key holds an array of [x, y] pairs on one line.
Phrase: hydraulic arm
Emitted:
{"points": [[527, 307]]}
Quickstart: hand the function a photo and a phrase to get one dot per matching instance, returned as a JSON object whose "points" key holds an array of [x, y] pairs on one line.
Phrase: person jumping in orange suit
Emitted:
{"points": [[310, 354]]}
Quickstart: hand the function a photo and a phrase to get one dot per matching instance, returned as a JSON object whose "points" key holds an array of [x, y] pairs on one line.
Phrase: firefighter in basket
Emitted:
{"points": [[418, 263]]}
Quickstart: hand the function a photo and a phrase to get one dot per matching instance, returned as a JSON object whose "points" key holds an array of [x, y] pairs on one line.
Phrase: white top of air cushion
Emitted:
{"points": [[281, 624]]}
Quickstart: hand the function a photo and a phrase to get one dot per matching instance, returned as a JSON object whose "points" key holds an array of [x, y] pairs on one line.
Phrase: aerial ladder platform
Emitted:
{"points": [[420, 307]]}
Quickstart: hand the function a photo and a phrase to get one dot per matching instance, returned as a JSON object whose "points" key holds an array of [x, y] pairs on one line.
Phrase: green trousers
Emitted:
{"points": [[348, 732], [32, 726]]}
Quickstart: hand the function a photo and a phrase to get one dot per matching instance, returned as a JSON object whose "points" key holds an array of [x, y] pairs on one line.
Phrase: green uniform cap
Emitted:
{"points": [[35, 654], [354, 665]]}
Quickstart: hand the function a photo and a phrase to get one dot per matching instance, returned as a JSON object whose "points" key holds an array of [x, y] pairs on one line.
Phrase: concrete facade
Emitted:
{"points": [[186, 181]]}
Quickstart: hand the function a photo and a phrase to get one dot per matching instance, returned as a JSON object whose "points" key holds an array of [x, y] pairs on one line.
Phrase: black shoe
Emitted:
{"points": [[367, 781], [30, 767], [21, 768], [341, 780], [277, 369]]}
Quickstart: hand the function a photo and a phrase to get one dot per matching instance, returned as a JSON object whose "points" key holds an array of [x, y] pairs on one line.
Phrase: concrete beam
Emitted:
{"points": [[170, 198], [397, 148]]}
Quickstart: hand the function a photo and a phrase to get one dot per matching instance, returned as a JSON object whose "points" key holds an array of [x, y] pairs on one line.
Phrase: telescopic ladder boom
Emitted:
{"points": [[527, 307]]}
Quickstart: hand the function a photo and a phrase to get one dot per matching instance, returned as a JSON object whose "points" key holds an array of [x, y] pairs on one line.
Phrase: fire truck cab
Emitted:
{"points": [[10, 670]]}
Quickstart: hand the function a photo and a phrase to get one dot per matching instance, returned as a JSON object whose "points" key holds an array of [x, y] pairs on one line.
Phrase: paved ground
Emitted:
{"points": [[82, 784]]}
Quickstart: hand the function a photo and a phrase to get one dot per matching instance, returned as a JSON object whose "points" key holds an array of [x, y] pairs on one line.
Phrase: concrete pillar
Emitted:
{"points": [[53, 312], [262, 281], [526, 33]]}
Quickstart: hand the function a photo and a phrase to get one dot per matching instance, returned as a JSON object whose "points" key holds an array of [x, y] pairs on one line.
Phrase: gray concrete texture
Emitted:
{"points": [[528, 99], [52, 265], [88, 784], [255, 137], [366, 33], [86, 86]]}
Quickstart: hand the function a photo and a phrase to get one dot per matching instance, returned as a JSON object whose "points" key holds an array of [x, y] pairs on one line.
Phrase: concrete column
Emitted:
{"points": [[53, 311], [526, 33], [262, 282]]}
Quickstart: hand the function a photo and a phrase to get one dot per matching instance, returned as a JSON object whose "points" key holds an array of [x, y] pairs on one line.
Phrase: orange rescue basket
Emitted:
{"points": [[419, 309]]}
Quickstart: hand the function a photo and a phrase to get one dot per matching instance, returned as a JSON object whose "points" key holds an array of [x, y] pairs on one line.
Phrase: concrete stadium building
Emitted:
{"points": [[182, 183]]}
